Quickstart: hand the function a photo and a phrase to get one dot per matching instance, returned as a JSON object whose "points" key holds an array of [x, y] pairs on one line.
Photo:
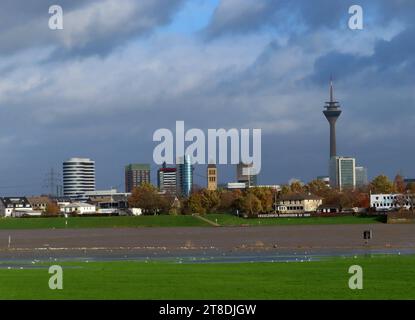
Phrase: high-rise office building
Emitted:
{"points": [[166, 179], [135, 175], [361, 177], [212, 177], [249, 179], [332, 113], [78, 177], [184, 176], [343, 173]]}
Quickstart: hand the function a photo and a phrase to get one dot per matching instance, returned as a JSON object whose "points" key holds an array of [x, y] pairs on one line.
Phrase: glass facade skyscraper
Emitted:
{"points": [[361, 177], [342, 172], [184, 177]]}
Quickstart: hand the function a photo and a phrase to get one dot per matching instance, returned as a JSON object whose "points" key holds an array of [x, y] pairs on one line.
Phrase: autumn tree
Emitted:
{"points": [[147, 198], [210, 200], [229, 200], [399, 184], [52, 208], [167, 201], [381, 184], [265, 196], [297, 187], [411, 187], [362, 200], [250, 204], [194, 203], [351, 198], [285, 189], [317, 187], [346, 199], [332, 197]]}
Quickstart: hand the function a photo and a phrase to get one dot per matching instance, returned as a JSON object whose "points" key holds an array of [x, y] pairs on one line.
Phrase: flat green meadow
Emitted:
{"points": [[101, 222], [384, 277], [225, 220], [230, 220]]}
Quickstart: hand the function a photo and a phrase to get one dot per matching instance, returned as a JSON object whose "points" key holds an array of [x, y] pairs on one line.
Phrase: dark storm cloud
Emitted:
{"points": [[339, 65], [24, 24], [241, 16], [399, 50], [392, 62], [108, 109], [90, 27], [238, 16], [17, 12]]}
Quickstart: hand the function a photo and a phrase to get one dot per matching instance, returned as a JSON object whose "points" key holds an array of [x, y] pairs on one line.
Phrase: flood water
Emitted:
{"points": [[200, 257]]}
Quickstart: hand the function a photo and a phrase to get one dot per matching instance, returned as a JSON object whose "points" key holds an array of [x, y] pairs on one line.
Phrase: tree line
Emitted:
{"points": [[256, 200]]}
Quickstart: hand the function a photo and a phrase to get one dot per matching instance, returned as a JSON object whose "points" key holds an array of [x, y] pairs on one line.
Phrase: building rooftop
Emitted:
{"points": [[79, 160], [38, 200], [100, 193], [167, 169], [137, 166], [10, 201], [300, 196], [79, 204], [236, 185]]}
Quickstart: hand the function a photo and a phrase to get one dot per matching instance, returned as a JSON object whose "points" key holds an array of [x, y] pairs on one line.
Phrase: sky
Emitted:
{"points": [[121, 69]]}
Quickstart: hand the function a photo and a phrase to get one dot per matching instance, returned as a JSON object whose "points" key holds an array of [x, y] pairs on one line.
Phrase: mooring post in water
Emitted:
{"points": [[10, 241], [367, 235]]}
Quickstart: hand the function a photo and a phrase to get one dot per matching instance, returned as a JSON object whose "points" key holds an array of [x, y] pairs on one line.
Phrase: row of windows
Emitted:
{"points": [[18, 206], [291, 201], [295, 208], [79, 182], [139, 179], [389, 205], [390, 198]]}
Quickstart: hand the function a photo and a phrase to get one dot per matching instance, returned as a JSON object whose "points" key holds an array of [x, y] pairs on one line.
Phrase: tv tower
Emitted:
{"points": [[332, 113]]}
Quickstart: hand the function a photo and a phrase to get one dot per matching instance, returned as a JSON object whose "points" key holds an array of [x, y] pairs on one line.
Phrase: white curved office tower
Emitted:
{"points": [[78, 177]]}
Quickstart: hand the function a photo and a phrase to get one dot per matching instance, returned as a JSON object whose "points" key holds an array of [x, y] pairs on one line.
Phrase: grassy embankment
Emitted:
{"points": [[101, 222], [386, 277], [171, 221], [230, 220]]}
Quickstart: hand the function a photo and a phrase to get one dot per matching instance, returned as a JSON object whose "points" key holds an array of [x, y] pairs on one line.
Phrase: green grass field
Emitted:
{"points": [[230, 220], [384, 277], [171, 221], [101, 222]]}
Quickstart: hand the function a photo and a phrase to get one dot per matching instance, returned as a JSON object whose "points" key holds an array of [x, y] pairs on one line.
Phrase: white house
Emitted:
{"points": [[79, 208], [387, 202], [298, 203], [16, 207]]}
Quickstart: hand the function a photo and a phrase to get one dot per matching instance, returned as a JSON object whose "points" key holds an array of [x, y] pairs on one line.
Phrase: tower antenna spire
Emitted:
{"points": [[332, 112]]}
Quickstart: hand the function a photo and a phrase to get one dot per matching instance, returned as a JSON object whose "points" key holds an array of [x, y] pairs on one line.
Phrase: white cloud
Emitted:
{"points": [[255, 80]]}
